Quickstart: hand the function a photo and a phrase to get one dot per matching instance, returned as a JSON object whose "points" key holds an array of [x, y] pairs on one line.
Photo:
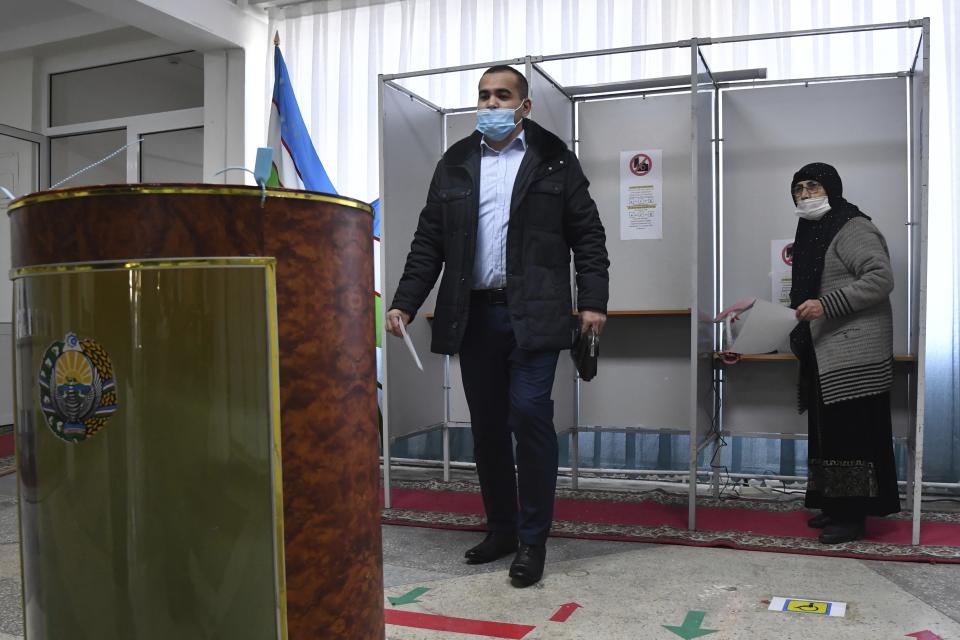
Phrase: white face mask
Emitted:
{"points": [[813, 208]]}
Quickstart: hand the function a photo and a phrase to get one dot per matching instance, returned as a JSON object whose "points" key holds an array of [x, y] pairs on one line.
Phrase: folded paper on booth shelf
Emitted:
{"points": [[764, 327]]}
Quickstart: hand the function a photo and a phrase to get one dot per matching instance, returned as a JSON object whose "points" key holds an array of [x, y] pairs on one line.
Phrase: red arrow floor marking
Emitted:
{"points": [[565, 611], [924, 635], [456, 625]]}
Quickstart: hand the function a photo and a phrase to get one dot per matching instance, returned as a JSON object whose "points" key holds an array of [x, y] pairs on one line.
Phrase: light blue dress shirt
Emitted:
{"points": [[498, 172]]}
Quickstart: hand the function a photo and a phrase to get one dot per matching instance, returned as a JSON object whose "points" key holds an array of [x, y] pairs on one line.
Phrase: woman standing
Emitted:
{"points": [[841, 284]]}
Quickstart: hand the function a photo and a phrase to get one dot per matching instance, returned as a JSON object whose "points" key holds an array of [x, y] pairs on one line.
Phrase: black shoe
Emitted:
{"points": [[820, 520], [527, 567], [493, 547], [842, 531]]}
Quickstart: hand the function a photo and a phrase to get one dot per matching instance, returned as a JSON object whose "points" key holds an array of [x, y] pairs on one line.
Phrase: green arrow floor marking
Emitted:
{"points": [[409, 597], [691, 626]]}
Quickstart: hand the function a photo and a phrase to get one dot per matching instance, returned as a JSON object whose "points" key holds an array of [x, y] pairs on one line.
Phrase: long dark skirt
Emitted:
{"points": [[852, 471]]}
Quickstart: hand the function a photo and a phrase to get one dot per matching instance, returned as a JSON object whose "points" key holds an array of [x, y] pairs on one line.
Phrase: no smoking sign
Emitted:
{"points": [[786, 254], [640, 164]]}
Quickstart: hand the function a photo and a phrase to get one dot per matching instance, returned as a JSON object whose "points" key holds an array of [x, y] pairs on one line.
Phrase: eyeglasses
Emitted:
{"points": [[810, 186]]}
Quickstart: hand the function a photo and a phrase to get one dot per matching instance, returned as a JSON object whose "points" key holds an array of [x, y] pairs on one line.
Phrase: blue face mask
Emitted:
{"points": [[496, 124]]}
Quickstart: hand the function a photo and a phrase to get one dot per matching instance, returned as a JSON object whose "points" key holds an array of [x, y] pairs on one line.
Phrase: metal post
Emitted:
{"points": [[715, 469], [911, 462], [574, 458], [694, 302], [385, 415], [445, 429], [922, 341]]}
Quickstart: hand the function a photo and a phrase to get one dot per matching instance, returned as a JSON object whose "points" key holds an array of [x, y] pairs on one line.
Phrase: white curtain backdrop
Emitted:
{"points": [[334, 59]]}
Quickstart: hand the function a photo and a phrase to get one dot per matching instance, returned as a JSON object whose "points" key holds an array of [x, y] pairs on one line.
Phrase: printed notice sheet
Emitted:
{"points": [[641, 195], [781, 275]]}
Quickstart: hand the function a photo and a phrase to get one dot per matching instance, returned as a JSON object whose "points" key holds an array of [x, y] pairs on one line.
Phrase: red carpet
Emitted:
{"points": [[762, 525], [6, 445], [7, 459]]}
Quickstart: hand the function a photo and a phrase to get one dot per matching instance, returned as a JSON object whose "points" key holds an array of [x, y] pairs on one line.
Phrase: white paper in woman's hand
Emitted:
{"points": [[765, 328]]}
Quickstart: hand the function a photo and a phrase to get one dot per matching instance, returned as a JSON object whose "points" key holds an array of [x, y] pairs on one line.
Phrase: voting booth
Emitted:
{"points": [[689, 148], [592, 119], [414, 133], [872, 127]]}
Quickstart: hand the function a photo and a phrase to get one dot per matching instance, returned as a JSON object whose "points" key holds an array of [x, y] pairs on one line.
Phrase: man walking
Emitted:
{"points": [[505, 208]]}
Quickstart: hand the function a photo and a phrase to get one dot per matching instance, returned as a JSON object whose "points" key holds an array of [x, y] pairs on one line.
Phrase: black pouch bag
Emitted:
{"points": [[585, 351]]}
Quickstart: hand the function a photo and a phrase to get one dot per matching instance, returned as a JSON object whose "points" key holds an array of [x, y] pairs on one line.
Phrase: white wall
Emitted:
{"points": [[234, 42], [16, 110], [17, 92], [16, 173], [226, 127]]}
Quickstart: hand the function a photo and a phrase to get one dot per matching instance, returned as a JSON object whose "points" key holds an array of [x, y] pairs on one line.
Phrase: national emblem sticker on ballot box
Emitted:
{"points": [[77, 390]]}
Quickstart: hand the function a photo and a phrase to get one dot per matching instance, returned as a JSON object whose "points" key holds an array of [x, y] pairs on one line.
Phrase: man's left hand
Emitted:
{"points": [[810, 310], [592, 320]]}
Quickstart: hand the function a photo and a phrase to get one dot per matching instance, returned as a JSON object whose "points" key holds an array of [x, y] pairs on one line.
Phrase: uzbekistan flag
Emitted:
{"points": [[296, 165], [295, 161]]}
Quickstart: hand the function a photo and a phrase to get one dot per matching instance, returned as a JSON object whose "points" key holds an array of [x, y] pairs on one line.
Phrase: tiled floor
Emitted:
{"points": [[11, 618], [625, 590], [629, 591]]}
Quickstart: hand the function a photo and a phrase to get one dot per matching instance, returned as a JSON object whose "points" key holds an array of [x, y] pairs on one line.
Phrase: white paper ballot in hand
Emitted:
{"points": [[407, 341], [765, 328]]}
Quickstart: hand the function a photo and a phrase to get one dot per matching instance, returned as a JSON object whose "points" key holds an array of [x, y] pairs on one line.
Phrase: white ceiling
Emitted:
{"points": [[46, 27], [305, 7], [23, 14], [57, 27]]}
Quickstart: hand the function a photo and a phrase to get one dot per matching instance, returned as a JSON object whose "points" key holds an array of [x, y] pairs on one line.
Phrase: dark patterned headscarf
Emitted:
{"points": [[809, 250]]}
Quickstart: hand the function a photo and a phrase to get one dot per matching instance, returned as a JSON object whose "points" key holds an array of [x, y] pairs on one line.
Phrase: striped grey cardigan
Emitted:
{"points": [[854, 339]]}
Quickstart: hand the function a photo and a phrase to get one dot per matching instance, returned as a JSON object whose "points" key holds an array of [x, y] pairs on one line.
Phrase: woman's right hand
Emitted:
{"points": [[810, 310]]}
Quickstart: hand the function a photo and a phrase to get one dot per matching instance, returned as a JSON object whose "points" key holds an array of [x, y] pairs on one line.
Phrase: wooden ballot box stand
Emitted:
{"points": [[196, 414]]}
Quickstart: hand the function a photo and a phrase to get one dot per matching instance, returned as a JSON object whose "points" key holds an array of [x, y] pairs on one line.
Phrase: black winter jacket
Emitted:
{"points": [[551, 213]]}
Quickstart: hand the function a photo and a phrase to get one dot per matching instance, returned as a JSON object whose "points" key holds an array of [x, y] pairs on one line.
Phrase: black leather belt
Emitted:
{"points": [[489, 296]]}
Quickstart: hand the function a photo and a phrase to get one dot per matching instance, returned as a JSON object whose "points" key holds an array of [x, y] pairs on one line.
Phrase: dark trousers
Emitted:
{"points": [[508, 393]]}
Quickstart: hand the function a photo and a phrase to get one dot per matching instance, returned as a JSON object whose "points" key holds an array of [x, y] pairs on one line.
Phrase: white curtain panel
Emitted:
{"points": [[334, 58]]}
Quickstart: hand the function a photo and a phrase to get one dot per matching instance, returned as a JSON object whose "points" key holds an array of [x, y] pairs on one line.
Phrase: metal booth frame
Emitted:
{"points": [[704, 417]]}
